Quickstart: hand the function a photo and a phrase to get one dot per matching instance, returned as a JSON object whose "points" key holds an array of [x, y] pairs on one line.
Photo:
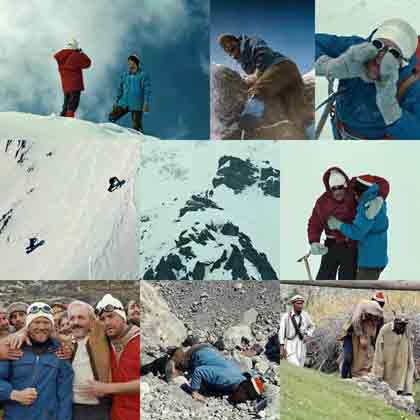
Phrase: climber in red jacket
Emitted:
{"points": [[339, 254], [71, 60]]}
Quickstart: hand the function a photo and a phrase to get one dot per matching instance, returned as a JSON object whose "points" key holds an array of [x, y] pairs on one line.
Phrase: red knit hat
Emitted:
{"points": [[379, 297], [258, 384], [367, 180]]}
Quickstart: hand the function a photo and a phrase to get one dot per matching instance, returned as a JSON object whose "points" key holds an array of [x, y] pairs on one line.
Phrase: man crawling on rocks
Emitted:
{"points": [[213, 375]]}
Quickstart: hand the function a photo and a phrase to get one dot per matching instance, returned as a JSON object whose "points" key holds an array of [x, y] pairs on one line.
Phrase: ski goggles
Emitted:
{"points": [[394, 51], [338, 188], [107, 308], [34, 309]]}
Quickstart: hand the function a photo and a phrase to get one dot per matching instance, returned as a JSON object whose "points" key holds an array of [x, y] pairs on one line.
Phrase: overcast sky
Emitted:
{"points": [[171, 36], [302, 168]]}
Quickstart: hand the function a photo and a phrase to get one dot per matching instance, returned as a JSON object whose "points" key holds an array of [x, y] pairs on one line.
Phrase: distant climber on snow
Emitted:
{"points": [[271, 77], [71, 62], [378, 94], [134, 92]]}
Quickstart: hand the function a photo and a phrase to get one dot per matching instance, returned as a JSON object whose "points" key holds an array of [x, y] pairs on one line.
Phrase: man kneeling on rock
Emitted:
{"points": [[213, 375], [394, 359]]}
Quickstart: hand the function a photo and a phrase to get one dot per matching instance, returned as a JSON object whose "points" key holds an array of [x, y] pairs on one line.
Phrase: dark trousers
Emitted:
{"points": [[92, 412], [71, 103], [368, 273], [340, 258], [136, 117], [348, 357]]}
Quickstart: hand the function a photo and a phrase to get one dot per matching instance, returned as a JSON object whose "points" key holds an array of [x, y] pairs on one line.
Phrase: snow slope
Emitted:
{"points": [[358, 17], [213, 210], [54, 176]]}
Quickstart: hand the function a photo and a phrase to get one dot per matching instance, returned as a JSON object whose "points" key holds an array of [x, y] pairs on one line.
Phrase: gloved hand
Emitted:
{"points": [[386, 89], [373, 207], [318, 249], [334, 223], [350, 64]]}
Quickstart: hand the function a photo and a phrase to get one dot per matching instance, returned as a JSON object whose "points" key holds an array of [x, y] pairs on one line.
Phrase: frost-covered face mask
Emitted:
{"points": [[400, 327]]}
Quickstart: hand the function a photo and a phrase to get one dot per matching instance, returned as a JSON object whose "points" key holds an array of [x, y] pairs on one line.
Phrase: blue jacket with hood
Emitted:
{"points": [[371, 234], [50, 376], [356, 108], [256, 54], [134, 90]]}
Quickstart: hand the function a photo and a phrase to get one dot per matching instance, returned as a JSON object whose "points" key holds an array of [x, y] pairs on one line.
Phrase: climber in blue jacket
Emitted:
{"points": [[379, 92], [211, 373], [134, 92], [369, 228]]}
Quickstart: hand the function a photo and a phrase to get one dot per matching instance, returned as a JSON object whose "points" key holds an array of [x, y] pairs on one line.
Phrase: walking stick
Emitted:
{"points": [[305, 259]]}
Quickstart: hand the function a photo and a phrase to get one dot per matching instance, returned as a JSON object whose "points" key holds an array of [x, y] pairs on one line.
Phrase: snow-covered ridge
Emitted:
{"points": [[212, 233], [54, 180]]}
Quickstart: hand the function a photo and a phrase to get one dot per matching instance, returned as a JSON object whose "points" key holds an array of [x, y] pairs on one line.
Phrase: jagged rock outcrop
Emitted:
{"points": [[159, 327], [228, 100], [211, 240]]}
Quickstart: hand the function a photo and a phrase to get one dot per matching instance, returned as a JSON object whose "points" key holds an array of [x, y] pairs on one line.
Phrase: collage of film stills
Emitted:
{"points": [[209, 210]]}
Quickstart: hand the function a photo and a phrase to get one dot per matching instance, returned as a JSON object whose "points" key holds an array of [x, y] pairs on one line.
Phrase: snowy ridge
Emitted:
{"points": [[54, 180], [207, 224]]}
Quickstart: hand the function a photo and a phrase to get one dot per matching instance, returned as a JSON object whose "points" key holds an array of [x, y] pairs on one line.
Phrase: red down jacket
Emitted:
{"points": [[345, 210], [70, 65]]}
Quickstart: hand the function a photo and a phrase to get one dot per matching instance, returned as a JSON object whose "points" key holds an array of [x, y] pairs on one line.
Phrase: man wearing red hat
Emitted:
{"points": [[339, 253], [369, 228]]}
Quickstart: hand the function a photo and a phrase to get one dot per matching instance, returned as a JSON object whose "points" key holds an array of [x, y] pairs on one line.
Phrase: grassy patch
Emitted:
{"points": [[309, 395]]}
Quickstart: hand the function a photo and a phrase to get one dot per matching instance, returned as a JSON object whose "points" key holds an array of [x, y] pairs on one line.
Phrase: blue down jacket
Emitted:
{"points": [[356, 108]]}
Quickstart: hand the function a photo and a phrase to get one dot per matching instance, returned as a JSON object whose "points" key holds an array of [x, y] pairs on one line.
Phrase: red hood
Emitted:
{"points": [[63, 55], [327, 174]]}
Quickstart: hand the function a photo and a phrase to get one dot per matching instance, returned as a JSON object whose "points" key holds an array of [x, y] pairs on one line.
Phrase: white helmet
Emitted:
{"points": [[400, 33]]}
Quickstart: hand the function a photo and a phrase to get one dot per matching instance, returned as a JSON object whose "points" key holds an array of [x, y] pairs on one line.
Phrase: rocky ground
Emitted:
{"points": [[66, 291], [233, 316]]}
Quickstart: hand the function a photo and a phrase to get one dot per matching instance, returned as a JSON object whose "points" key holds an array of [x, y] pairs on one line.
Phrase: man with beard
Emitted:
{"points": [[4, 323], [296, 329], [91, 361], [124, 340], [58, 309], [359, 336], [17, 315], [133, 312], [63, 327], [394, 356], [39, 384], [339, 253]]}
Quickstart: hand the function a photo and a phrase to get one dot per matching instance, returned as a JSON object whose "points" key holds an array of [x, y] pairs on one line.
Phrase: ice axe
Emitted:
{"points": [[305, 259]]}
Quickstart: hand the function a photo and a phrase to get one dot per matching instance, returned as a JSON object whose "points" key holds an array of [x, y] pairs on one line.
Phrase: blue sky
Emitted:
{"points": [[287, 26], [171, 36]]}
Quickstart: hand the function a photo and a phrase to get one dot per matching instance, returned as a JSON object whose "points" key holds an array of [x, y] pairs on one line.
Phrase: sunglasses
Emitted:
{"points": [[338, 188], [44, 308], [107, 308], [394, 51]]}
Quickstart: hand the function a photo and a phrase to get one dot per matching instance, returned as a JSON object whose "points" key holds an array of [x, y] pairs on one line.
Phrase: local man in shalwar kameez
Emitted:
{"points": [[296, 328], [362, 328], [394, 359]]}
